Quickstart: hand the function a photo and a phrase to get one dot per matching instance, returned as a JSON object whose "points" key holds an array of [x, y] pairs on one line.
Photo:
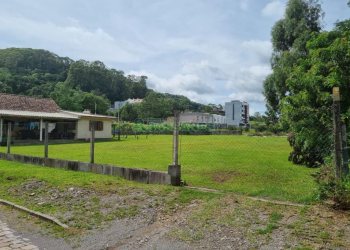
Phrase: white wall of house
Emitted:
{"points": [[196, 117], [202, 118], [219, 119], [83, 131]]}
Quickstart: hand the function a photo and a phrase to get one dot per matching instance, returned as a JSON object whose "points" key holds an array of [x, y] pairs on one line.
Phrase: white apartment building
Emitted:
{"points": [[237, 113]]}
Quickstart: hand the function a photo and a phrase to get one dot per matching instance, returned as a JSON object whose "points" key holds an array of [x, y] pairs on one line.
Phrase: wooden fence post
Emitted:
{"points": [[337, 133], [9, 135], [46, 139], [92, 142]]}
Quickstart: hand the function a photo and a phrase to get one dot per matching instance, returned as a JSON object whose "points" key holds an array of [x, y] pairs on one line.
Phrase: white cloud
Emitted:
{"points": [[94, 44], [261, 50], [249, 79], [274, 9], [244, 4], [251, 97], [193, 80], [206, 83], [209, 52]]}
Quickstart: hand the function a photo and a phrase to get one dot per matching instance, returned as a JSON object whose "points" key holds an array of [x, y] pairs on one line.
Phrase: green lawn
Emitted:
{"points": [[249, 165]]}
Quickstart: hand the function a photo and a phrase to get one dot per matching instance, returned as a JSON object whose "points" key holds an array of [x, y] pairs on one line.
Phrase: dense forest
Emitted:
{"points": [[78, 85]]}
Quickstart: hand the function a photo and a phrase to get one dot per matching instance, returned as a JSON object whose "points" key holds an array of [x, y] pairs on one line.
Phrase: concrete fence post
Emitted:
{"points": [[9, 135], [46, 139], [92, 142], [174, 170], [337, 133], [176, 138]]}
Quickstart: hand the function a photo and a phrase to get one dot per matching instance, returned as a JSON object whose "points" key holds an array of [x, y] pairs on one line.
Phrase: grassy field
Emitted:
{"points": [[255, 166]]}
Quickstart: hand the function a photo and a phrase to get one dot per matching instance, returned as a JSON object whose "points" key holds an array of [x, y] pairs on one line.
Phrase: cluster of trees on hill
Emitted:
{"points": [[307, 62], [157, 105], [77, 85]]}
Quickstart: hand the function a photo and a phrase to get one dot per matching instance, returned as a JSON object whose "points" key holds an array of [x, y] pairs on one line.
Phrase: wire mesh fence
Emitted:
{"points": [[213, 151], [28, 138]]}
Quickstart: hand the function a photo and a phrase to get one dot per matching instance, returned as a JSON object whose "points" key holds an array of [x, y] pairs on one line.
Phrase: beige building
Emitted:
{"points": [[103, 127], [28, 115]]}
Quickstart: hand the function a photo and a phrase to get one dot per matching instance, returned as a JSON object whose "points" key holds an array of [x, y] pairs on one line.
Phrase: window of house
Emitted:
{"points": [[233, 111], [98, 125]]}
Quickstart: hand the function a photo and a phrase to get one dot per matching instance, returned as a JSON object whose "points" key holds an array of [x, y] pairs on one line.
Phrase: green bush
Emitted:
{"points": [[163, 128], [337, 191], [193, 129]]}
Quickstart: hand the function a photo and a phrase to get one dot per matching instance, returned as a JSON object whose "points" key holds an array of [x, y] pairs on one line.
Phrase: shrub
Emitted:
{"points": [[193, 129], [337, 191], [163, 128], [310, 153]]}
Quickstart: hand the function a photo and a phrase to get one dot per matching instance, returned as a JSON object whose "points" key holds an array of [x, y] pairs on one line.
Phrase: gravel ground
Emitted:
{"points": [[138, 232], [228, 222]]}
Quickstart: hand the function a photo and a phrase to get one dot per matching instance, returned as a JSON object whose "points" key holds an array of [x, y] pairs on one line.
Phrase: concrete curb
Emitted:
{"points": [[37, 214], [282, 203], [275, 202]]}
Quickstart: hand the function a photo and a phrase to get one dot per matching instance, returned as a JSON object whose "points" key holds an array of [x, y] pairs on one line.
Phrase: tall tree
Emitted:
{"points": [[289, 38], [304, 72], [308, 107], [137, 86]]}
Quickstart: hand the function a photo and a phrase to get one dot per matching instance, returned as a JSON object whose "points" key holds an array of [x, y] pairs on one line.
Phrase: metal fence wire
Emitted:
{"points": [[204, 148]]}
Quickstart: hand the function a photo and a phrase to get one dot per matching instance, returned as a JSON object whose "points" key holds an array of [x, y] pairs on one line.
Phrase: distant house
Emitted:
{"points": [[119, 104], [202, 118], [196, 117], [237, 113], [219, 119], [28, 114], [103, 125]]}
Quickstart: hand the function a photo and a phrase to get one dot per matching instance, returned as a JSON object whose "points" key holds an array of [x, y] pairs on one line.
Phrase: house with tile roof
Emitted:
{"points": [[27, 115]]}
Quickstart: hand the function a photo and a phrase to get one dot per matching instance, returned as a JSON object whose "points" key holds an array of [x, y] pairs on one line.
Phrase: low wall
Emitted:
{"points": [[139, 175]]}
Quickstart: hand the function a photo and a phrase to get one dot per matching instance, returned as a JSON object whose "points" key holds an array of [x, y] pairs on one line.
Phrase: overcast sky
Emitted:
{"points": [[211, 51]]}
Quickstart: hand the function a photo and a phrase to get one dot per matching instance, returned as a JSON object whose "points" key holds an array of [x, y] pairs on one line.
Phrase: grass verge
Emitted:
{"points": [[256, 166], [87, 201]]}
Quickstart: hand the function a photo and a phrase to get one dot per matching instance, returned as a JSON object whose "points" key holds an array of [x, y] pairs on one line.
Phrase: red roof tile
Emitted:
{"points": [[26, 103]]}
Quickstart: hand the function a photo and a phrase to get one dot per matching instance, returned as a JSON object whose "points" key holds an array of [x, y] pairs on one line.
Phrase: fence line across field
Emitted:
{"points": [[172, 146]]}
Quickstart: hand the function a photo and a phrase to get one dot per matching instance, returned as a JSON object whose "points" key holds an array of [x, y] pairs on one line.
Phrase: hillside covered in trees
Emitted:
{"points": [[78, 85]]}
